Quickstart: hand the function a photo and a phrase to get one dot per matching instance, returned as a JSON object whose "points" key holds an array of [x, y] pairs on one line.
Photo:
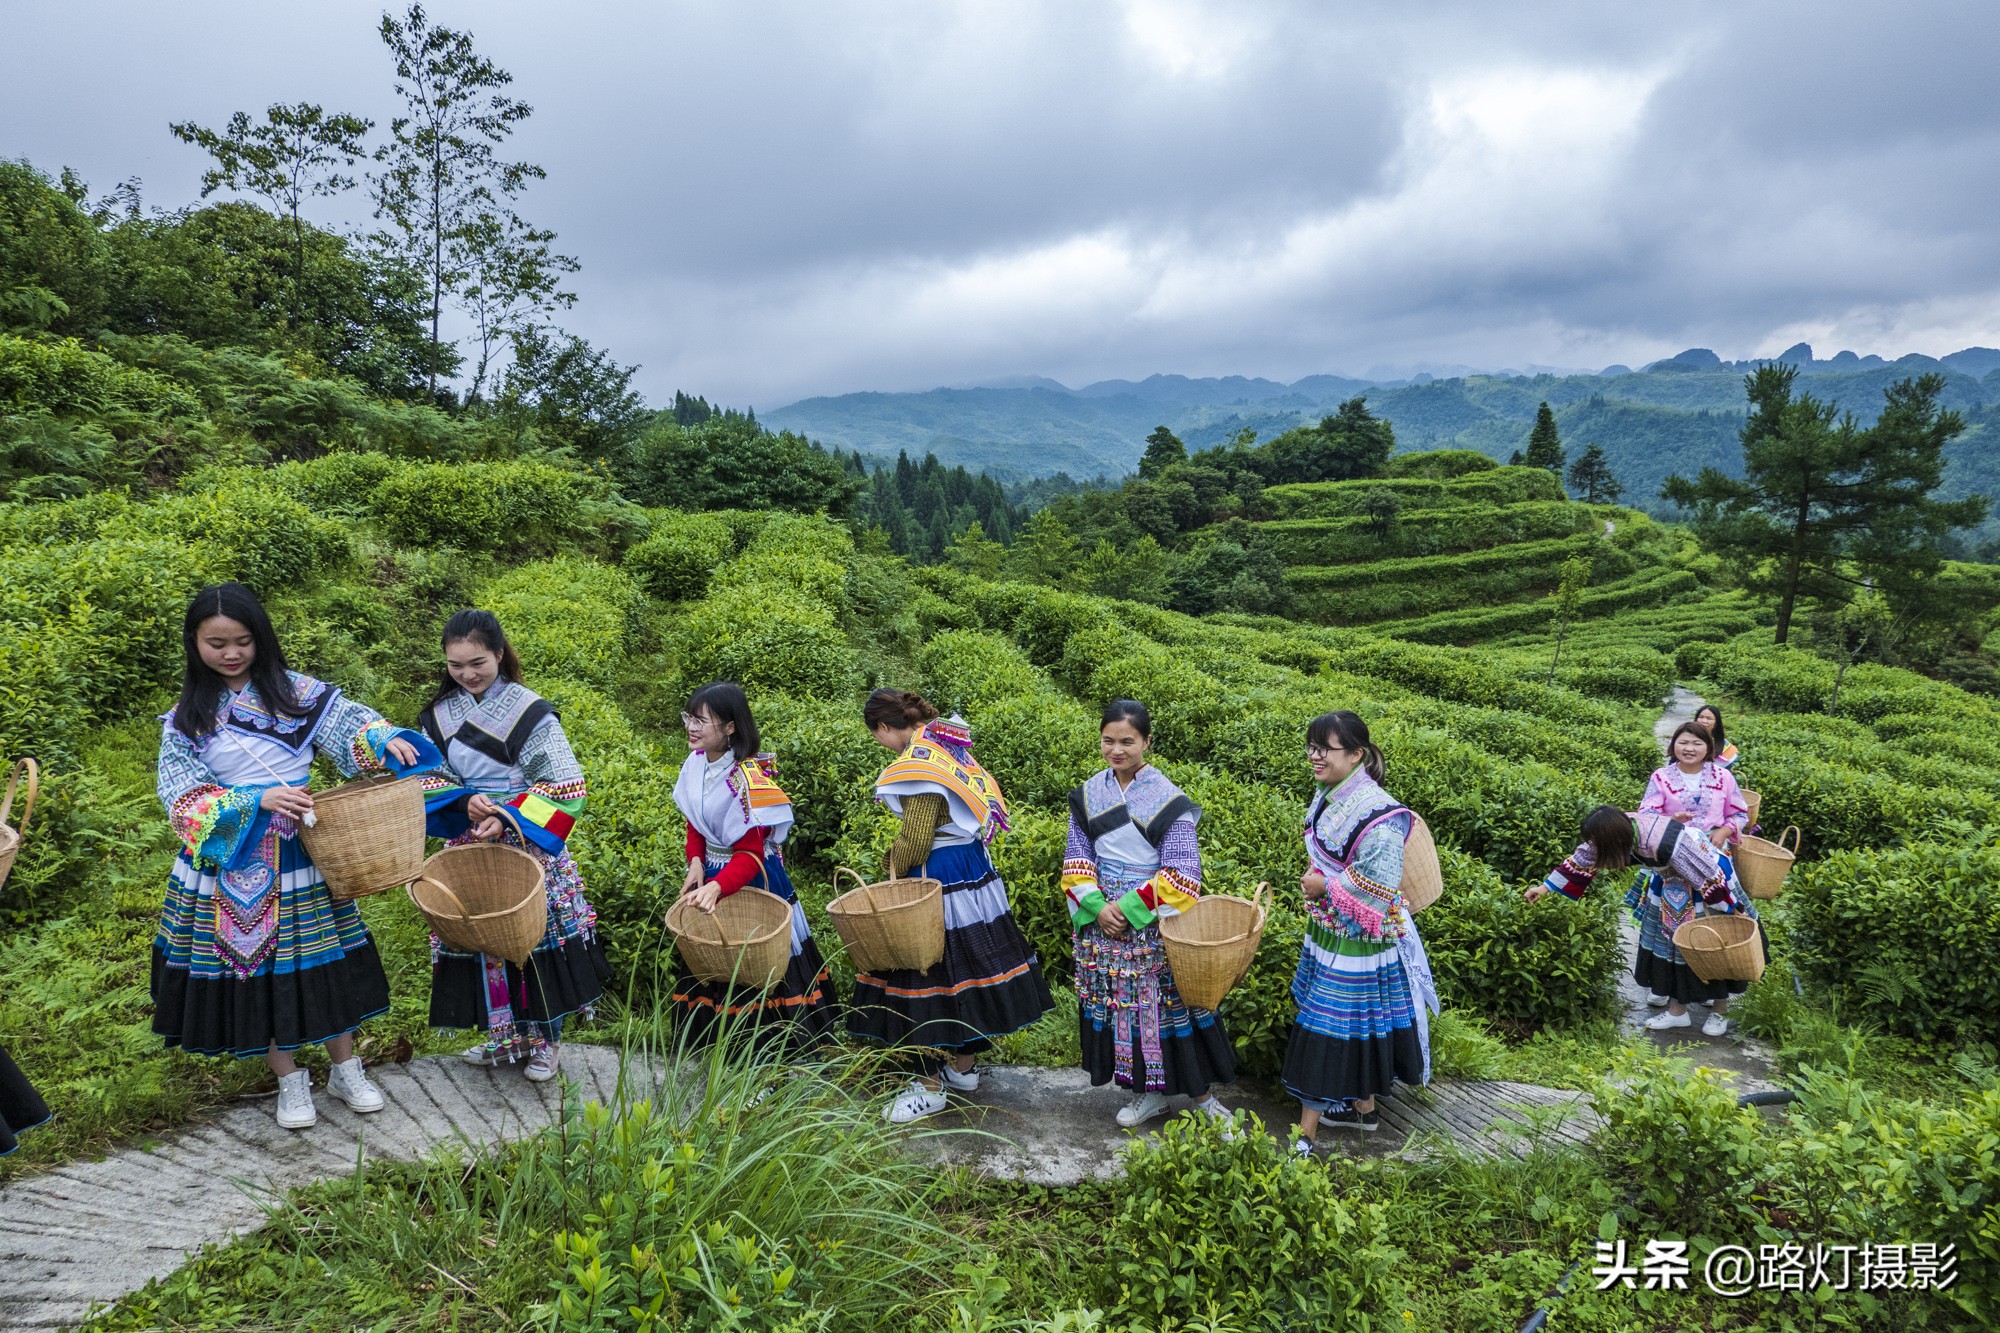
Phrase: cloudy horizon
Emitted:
{"points": [[793, 200]]}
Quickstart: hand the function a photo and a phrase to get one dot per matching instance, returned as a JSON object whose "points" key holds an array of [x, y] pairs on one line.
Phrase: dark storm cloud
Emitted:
{"points": [[779, 199]]}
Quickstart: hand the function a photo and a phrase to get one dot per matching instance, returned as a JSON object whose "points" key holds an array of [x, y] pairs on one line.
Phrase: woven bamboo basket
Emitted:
{"points": [[747, 939], [485, 897], [895, 925], [1211, 944], [1722, 948], [367, 836], [1752, 802], [10, 837], [1761, 865], [1423, 877]]}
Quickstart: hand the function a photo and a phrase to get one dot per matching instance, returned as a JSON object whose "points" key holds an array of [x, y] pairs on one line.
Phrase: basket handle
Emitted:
{"points": [[443, 888], [34, 786], [1791, 831], [854, 875]]}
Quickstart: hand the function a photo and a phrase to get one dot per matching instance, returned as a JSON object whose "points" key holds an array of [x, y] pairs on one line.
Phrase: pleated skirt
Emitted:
{"points": [[323, 979], [1134, 1028], [988, 984], [1656, 963], [794, 1015], [1357, 1030]]}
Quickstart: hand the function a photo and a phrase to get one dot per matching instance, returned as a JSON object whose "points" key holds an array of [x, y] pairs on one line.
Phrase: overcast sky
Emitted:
{"points": [[772, 200]]}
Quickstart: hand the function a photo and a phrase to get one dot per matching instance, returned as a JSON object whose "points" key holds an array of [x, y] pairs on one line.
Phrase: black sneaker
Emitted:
{"points": [[1367, 1122]]}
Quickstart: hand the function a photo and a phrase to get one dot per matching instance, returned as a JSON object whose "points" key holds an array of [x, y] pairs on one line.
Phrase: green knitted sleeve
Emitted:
{"points": [[922, 814]]}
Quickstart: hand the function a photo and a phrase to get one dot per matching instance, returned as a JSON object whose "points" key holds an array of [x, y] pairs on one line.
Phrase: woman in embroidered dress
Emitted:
{"points": [[990, 982], [737, 818], [1710, 718], [1363, 987], [1132, 859], [1691, 878], [504, 747], [1695, 791], [254, 956]]}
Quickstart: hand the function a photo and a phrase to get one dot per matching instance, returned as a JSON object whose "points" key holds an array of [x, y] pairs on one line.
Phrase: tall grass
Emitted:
{"points": [[716, 1191]]}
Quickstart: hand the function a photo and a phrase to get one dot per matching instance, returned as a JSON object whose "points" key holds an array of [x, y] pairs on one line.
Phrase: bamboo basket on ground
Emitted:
{"points": [[1423, 877], [367, 836], [10, 837], [485, 897], [746, 940], [895, 925], [1723, 947], [1751, 802], [1761, 864], [1210, 945]]}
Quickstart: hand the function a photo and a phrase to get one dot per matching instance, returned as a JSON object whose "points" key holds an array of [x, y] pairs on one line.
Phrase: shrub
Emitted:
{"points": [[1238, 1229], [242, 528], [1549, 964], [531, 508], [1328, 541], [1692, 1156], [566, 617], [1904, 937], [1439, 464], [675, 561], [827, 763], [803, 556], [767, 641], [964, 671]]}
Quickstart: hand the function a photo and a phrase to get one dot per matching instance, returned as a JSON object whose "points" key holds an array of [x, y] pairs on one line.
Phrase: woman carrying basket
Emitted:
{"points": [[1695, 791], [1690, 878], [1710, 718], [1363, 986], [254, 956], [989, 982], [737, 818], [1132, 859], [504, 749]]}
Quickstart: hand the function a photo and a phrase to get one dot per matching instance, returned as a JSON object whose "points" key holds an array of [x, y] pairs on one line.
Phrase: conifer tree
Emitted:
{"points": [[1163, 450], [1544, 445], [1591, 479]]}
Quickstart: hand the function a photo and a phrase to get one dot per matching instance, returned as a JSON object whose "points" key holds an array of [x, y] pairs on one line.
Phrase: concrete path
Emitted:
{"points": [[1050, 1127], [91, 1232]]}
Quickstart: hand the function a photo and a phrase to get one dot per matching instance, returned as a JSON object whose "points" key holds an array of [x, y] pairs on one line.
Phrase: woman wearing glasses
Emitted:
{"points": [[737, 818], [1363, 987]]}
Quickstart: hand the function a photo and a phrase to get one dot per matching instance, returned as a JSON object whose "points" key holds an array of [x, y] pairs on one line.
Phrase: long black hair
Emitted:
{"points": [[1343, 729], [483, 628], [724, 701], [1609, 829], [1714, 732], [1132, 713], [202, 685]]}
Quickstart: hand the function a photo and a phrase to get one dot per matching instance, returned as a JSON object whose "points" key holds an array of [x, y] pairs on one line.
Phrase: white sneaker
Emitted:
{"points": [[295, 1101], [1657, 1000], [1716, 1025], [915, 1104], [1302, 1147], [348, 1082], [542, 1065], [1661, 1022], [957, 1082], [482, 1055], [1142, 1108], [1213, 1107]]}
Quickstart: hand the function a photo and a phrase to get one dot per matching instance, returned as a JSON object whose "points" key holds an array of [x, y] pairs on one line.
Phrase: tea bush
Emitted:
{"points": [[566, 617], [675, 561], [1332, 541], [1337, 499], [1904, 937], [526, 508], [1692, 1157], [1236, 1228]]}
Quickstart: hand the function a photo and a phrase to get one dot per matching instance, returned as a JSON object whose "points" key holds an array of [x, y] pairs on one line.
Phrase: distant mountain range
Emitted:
{"points": [[1674, 415]]}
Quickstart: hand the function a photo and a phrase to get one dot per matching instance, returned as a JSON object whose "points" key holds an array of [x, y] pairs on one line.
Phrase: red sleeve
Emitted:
{"points": [[697, 845], [745, 864]]}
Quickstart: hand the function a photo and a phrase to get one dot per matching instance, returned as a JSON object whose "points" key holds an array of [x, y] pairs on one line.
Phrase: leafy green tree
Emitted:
{"points": [[973, 552], [1544, 444], [1824, 504], [1351, 443], [730, 462], [1591, 479], [1045, 552], [1381, 508], [297, 152], [513, 276], [440, 173], [1231, 569], [1163, 450], [1572, 578], [52, 255], [1137, 574], [573, 394], [1856, 630]]}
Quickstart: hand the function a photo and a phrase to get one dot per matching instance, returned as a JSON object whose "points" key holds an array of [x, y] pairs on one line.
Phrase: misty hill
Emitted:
{"points": [[1675, 415]]}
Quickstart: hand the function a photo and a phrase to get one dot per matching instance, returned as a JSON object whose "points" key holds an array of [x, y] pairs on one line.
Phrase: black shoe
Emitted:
{"points": [[1367, 1122]]}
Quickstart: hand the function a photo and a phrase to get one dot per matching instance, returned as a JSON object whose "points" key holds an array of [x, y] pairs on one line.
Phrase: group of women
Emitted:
{"points": [[255, 956]]}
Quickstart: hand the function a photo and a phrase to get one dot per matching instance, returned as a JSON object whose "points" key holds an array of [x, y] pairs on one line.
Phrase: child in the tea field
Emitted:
{"points": [[989, 982], [505, 750], [254, 956], [738, 818], [1690, 878], [1363, 986], [1132, 859]]}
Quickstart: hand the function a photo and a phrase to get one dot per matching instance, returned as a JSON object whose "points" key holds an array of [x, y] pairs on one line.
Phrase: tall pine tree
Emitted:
{"points": [[1591, 479], [1544, 445]]}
